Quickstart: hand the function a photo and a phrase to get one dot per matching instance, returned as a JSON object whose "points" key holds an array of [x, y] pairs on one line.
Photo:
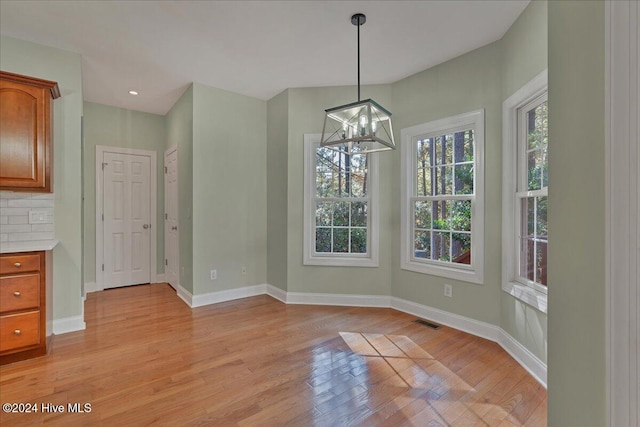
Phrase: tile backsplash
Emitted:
{"points": [[14, 216]]}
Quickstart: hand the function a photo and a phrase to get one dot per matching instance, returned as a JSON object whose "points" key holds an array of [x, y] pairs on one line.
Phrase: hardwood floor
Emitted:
{"points": [[146, 358]]}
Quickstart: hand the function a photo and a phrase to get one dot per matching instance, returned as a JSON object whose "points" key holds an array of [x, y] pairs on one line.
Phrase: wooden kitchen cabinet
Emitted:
{"points": [[26, 120], [25, 292]]}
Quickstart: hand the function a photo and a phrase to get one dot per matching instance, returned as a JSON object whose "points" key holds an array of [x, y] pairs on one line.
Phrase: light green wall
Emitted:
{"points": [[117, 127], [229, 189], [524, 49], [64, 67], [306, 115], [577, 300], [466, 83], [179, 132], [277, 189]]}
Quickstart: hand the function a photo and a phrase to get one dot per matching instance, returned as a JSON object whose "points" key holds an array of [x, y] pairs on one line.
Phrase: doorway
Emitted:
{"points": [[125, 217]]}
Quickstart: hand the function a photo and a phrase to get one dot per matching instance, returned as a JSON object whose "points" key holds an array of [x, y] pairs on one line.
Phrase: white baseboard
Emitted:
{"points": [[277, 293], [529, 361], [184, 295], [68, 324], [159, 278], [337, 299], [462, 323], [199, 300], [327, 299], [91, 287], [227, 295]]}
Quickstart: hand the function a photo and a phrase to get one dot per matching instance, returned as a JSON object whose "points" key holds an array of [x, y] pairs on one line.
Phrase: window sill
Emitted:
{"points": [[472, 276], [535, 299]]}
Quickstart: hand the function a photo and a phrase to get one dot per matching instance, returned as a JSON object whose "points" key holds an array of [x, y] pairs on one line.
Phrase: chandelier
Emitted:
{"points": [[359, 127]]}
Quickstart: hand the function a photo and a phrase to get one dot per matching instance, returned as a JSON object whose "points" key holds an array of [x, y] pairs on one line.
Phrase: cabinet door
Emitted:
{"points": [[25, 121]]}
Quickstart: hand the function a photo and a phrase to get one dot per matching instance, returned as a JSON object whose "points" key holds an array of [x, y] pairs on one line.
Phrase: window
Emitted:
{"points": [[442, 197], [340, 218], [525, 191]]}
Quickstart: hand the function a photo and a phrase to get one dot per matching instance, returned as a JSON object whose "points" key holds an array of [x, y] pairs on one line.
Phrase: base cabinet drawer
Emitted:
{"points": [[15, 264], [19, 330], [19, 292]]}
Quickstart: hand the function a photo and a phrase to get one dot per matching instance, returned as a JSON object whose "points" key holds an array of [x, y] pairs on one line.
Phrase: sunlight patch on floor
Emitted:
{"points": [[400, 362]]}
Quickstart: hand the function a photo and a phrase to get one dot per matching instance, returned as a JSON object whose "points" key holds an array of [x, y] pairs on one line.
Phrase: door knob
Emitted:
{"points": [[146, 226], [174, 228]]}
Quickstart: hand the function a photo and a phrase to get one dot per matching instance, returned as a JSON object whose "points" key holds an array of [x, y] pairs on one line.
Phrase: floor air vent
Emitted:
{"points": [[427, 323]]}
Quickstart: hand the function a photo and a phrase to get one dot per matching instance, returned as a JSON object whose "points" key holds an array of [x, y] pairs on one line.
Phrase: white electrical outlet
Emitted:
{"points": [[244, 270], [214, 274], [448, 290], [37, 217]]}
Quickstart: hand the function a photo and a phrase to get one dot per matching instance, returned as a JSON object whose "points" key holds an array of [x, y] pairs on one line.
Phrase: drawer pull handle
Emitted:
{"points": [[17, 332], [17, 294], [17, 264]]}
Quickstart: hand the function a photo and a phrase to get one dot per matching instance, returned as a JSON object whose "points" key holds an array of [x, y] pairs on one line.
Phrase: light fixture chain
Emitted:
{"points": [[358, 58]]}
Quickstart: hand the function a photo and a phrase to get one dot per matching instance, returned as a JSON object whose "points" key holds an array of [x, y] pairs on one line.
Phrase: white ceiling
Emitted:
{"points": [[256, 48]]}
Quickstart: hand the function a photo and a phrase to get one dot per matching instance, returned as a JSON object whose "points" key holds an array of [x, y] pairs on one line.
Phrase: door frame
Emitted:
{"points": [[622, 209], [168, 151], [153, 250]]}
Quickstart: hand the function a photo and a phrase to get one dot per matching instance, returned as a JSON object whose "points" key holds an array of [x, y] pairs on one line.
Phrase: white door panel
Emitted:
{"points": [[126, 206]]}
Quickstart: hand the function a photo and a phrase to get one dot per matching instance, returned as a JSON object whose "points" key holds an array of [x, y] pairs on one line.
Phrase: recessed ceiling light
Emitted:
{"points": [[133, 92]]}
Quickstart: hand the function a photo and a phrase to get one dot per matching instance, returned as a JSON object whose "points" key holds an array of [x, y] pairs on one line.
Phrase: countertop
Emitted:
{"points": [[28, 246]]}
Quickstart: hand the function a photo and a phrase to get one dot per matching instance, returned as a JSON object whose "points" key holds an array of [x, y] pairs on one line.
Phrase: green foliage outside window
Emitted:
{"points": [[537, 143], [444, 167], [341, 202], [533, 261]]}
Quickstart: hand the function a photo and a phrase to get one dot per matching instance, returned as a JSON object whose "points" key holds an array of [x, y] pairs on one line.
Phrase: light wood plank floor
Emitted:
{"points": [[146, 358]]}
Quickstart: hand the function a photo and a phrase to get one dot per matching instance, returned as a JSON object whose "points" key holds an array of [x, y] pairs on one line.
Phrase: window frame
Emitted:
{"points": [[346, 259], [473, 272], [513, 162]]}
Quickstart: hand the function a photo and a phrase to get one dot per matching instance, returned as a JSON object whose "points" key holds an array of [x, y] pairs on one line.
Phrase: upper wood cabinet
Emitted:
{"points": [[26, 119]]}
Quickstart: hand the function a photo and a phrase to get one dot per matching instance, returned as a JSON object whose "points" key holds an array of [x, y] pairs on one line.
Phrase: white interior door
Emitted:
{"points": [[171, 232], [127, 224]]}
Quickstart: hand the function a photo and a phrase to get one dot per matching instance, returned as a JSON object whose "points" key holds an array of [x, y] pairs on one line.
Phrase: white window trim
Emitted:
{"points": [[474, 273], [310, 256], [528, 294]]}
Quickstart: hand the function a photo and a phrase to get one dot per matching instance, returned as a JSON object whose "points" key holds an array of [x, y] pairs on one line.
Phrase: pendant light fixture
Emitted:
{"points": [[359, 127]]}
